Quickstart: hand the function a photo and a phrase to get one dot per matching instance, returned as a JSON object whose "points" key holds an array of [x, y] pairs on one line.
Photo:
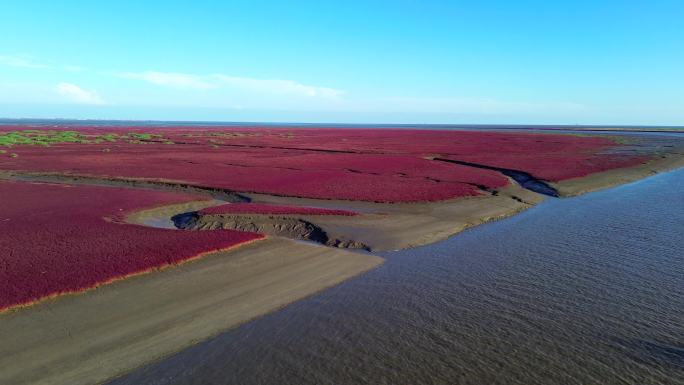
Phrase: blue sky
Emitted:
{"points": [[523, 61]]}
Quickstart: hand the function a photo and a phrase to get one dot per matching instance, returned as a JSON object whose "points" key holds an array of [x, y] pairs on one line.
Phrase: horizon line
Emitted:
{"points": [[5, 120]]}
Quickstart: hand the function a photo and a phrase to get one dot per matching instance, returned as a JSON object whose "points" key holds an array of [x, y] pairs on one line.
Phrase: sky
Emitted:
{"points": [[480, 62]]}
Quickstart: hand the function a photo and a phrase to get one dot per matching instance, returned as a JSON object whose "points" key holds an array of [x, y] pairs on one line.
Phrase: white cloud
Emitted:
{"points": [[77, 94], [20, 61], [220, 90], [276, 86], [171, 79], [254, 93], [218, 81]]}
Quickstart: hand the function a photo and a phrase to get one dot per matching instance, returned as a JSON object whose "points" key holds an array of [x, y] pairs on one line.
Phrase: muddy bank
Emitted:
{"points": [[524, 179], [162, 185], [161, 217], [602, 180], [399, 226], [293, 227], [377, 227]]}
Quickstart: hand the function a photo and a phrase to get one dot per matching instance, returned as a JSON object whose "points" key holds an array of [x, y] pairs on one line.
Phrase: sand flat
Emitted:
{"points": [[395, 226], [98, 335], [611, 178]]}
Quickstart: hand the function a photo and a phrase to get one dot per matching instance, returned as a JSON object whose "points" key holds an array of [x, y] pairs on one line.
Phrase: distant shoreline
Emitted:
{"points": [[324, 125]]}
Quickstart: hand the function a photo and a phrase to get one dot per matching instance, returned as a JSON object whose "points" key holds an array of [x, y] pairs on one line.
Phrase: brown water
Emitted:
{"points": [[586, 290]]}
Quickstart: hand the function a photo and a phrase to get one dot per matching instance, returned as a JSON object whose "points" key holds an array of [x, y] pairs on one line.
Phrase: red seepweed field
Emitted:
{"points": [[261, 208], [350, 164], [64, 238], [58, 238]]}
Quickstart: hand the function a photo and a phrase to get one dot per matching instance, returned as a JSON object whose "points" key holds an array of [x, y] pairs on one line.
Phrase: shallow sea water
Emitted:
{"points": [[585, 290]]}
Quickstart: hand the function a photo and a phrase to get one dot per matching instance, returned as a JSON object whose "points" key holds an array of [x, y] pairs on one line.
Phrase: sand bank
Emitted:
{"points": [[89, 338], [395, 226], [615, 177]]}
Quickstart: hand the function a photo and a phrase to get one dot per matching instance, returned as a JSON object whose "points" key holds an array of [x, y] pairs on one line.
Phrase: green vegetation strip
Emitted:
{"points": [[48, 137]]}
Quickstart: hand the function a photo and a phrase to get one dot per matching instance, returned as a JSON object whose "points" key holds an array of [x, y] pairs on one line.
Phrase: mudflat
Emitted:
{"points": [[100, 334], [395, 226]]}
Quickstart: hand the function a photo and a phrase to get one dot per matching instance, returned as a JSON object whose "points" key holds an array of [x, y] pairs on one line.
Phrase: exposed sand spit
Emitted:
{"points": [[403, 225], [610, 178], [100, 334]]}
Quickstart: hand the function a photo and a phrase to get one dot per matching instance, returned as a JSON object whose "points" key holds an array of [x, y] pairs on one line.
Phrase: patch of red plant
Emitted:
{"points": [[57, 239], [555, 167], [351, 164], [268, 209]]}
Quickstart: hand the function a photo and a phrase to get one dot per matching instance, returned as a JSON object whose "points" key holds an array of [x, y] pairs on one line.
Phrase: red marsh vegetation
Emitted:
{"points": [[350, 164], [58, 239]]}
